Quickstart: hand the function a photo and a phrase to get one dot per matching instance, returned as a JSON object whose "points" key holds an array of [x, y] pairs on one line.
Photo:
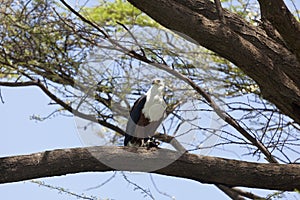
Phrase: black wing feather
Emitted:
{"points": [[135, 115]]}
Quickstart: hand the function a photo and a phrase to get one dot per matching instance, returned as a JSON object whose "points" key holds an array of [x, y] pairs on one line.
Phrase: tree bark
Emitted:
{"points": [[276, 12], [199, 168], [272, 64]]}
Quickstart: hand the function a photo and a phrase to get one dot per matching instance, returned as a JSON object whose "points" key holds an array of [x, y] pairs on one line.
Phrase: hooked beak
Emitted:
{"points": [[156, 82]]}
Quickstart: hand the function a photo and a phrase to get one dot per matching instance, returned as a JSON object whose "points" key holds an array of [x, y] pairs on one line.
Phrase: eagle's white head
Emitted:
{"points": [[158, 85], [155, 106]]}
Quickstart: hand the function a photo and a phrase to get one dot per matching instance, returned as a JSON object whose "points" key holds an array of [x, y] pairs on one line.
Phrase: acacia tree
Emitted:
{"points": [[95, 62]]}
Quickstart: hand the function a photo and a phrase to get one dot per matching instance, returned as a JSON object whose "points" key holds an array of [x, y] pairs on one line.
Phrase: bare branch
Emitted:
{"points": [[63, 190], [247, 194], [230, 192], [137, 187], [65, 105], [220, 11], [199, 168], [277, 13]]}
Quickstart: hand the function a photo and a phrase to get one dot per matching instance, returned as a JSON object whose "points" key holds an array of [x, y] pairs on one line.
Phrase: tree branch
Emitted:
{"points": [[230, 192], [233, 193], [199, 168], [245, 45], [277, 13], [220, 11], [60, 102]]}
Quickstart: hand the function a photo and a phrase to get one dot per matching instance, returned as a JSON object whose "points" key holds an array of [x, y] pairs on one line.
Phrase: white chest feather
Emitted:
{"points": [[155, 106]]}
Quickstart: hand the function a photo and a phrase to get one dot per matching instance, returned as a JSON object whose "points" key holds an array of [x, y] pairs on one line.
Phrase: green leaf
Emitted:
{"points": [[108, 13]]}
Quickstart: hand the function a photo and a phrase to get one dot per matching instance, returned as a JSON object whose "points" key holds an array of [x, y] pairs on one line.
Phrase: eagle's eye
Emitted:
{"points": [[156, 81]]}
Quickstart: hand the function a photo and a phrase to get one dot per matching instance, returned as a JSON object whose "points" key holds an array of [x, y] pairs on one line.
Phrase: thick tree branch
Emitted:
{"points": [[270, 64], [199, 168], [233, 193], [276, 12]]}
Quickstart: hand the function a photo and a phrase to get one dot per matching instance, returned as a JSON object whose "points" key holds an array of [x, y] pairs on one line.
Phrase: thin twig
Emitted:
{"points": [[157, 189], [63, 190], [137, 187], [105, 182], [66, 106], [1, 98], [132, 36]]}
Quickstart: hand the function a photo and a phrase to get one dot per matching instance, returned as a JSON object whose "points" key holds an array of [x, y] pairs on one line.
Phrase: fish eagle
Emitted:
{"points": [[146, 115]]}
